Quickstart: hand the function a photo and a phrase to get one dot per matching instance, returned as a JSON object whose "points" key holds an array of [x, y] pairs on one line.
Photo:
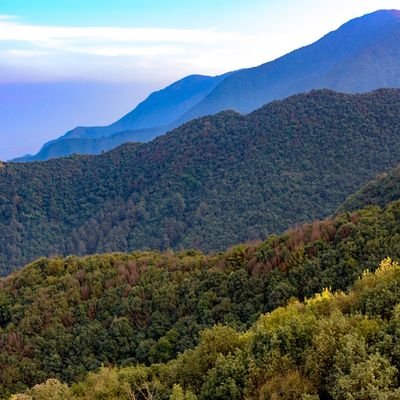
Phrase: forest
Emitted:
{"points": [[380, 191], [210, 184], [146, 321], [331, 346], [199, 247]]}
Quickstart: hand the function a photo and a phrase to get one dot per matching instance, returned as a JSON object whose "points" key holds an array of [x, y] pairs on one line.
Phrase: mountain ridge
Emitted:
{"points": [[360, 56], [375, 21], [159, 107], [380, 191]]}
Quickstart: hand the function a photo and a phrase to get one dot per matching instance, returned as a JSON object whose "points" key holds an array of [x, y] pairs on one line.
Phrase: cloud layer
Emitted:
{"points": [[56, 52]]}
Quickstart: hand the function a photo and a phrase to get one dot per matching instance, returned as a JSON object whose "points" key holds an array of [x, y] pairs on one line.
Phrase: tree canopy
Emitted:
{"points": [[62, 318], [209, 184]]}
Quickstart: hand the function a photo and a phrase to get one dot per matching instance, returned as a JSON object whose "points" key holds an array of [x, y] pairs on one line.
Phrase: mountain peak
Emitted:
{"points": [[385, 13], [377, 18], [360, 56]]}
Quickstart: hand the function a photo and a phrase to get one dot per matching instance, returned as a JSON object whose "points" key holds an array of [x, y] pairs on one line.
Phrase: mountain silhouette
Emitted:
{"points": [[360, 56]]}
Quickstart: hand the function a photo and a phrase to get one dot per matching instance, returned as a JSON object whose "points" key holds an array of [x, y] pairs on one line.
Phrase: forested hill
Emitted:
{"points": [[333, 346], [211, 183], [380, 191], [62, 318]]}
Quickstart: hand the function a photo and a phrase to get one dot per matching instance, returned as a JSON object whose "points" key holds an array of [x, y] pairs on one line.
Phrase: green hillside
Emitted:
{"points": [[211, 183], [332, 346], [380, 191], [63, 318]]}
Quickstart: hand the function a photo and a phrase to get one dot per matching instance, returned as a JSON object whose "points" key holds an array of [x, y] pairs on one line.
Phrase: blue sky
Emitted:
{"points": [[134, 47], [122, 12]]}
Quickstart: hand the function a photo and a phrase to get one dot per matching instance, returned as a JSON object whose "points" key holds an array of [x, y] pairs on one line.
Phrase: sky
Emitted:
{"points": [[65, 63]]}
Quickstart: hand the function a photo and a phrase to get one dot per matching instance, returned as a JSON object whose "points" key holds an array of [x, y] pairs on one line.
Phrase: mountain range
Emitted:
{"points": [[360, 56], [302, 308], [211, 183]]}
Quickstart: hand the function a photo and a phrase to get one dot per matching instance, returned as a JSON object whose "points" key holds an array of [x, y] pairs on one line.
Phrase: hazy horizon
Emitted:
{"points": [[91, 63]]}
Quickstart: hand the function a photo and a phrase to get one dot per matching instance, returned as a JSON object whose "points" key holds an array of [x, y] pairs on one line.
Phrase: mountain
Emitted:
{"points": [[154, 116], [331, 346], [360, 56], [77, 145], [64, 317], [208, 184]]}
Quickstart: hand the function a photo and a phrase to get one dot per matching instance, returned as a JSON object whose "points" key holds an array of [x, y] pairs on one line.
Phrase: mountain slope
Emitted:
{"points": [[380, 191], [331, 346], [153, 116], [360, 56], [61, 318], [213, 182]]}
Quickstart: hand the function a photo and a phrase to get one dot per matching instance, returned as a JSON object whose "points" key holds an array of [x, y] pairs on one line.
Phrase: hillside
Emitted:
{"points": [[360, 56], [380, 191], [213, 182], [333, 346], [61, 318]]}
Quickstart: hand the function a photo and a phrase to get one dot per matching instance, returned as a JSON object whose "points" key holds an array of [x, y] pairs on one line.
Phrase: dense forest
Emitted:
{"points": [[332, 346], [380, 191], [62, 318], [209, 184], [121, 276]]}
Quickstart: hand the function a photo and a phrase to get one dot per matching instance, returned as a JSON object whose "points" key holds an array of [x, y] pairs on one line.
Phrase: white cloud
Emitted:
{"points": [[54, 51], [26, 53], [39, 52], [11, 29], [44, 52]]}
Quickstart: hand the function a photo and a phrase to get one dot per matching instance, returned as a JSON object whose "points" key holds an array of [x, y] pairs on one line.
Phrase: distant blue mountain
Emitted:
{"points": [[154, 116], [362, 55], [161, 108]]}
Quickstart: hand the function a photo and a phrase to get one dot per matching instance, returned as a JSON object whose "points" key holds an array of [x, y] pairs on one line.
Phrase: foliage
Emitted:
{"points": [[209, 184], [382, 190], [323, 348], [64, 317]]}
